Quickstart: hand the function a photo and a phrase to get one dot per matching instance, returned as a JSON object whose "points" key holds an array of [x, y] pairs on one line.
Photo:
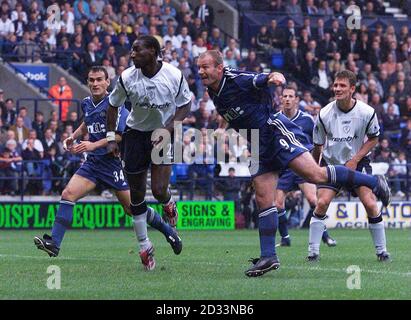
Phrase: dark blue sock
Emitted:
{"points": [[348, 178], [325, 235], [64, 218], [267, 227], [157, 222], [282, 223]]}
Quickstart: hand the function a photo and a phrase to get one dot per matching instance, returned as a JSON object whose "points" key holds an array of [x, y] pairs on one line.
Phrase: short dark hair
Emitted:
{"points": [[99, 69], [289, 87], [151, 42], [349, 75]]}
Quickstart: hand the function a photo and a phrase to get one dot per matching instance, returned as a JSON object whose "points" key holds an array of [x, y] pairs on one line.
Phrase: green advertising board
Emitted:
{"points": [[193, 215]]}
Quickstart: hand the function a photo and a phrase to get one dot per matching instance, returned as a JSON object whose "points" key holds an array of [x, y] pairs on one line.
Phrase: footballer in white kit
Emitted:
{"points": [[159, 95], [345, 132]]}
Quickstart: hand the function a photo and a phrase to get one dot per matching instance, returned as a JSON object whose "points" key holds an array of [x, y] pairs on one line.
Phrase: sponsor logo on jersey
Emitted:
{"points": [[147, 105], [233, 114], [96, 127], [346, 139]]}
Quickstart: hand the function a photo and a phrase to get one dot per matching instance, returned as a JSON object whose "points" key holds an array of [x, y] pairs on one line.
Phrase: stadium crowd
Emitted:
{"points": [[100, 32]]}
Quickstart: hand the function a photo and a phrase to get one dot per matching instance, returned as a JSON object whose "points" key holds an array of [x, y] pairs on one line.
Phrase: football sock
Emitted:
{"points": [[139, 212], [317, 226], [306, 223], [282, 223], [157, 222], [267, 227], [376, 226], [348, 178], [64, 218]]}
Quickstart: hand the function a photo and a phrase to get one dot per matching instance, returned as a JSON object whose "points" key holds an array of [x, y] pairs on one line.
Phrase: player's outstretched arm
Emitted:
{"points": [[112, 146]]}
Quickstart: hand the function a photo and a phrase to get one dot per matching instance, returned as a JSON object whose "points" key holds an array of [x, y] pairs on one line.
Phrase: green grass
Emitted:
{"points": [[105, 265]]}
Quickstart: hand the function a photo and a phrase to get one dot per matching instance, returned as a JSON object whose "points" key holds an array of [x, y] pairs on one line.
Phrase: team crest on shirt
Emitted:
{"points": [[346, 129], [151, 93]]}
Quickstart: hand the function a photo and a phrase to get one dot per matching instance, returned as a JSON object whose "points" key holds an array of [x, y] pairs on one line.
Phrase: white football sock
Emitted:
{"points": [[140, 228], [317, 227], [378, 236]]}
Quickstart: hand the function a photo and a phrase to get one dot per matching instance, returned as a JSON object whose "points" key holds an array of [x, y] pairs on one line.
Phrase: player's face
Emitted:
{"points": [[97, 83], [342, 89], [288, 99], [141, 55], [209, 72]]}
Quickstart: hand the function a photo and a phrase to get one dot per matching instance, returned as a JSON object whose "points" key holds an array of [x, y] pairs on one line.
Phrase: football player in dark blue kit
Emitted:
{"points": [[99, 167], [244, 101], [288, 180]]}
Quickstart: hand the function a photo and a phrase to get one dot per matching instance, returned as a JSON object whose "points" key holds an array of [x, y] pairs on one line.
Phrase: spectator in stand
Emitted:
{"points": [[277, 37], [362, 93], [55, 130], [9, 113], [308, 104], [290, 31], [398, 174], [199, 47], [170, 36], [215, 39], [48, 141], [26, 48], [308, 68], [233, 46], [230, 188], [33, 167], [202, 116], [62, 90], [37, 144], [293, 58], [391, 102], [385, 156], [39, 125], [20, 131], [390, 122], [325, 9], [263, 42], [6, 26], [73, 120], [293, 9], [390, 65], [252, 63], [9, 168], [310, 8], [184, 36], [205, 12], [110, 70], [230, 60]]}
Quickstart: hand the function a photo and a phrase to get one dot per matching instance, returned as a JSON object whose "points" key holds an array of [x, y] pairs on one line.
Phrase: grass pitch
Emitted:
{"points": [[105, 265]]}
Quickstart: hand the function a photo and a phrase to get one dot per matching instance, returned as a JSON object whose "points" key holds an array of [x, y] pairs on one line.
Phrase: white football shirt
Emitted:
{"points": [[343, 133], [153, 100]]}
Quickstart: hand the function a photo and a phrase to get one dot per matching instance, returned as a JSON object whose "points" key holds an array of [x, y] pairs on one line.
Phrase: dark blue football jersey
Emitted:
{"points": [[243, 99], [95, 119], [306, 123]]}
